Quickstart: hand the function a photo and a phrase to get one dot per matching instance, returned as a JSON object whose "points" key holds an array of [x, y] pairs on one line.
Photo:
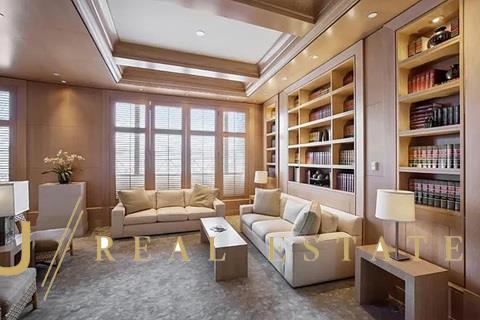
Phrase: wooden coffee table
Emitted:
{"points": [[227, 242]]}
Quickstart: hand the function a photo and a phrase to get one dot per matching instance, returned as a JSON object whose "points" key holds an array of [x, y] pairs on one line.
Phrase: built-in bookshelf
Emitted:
{"points": [[321, 131], [430, 111], [270, 116]]}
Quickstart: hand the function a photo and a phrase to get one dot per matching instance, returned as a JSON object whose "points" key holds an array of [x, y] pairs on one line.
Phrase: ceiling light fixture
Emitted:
{"points": [[64, 81], [56, 74], [372, 15], [314, 57], [200, 33], [438, 19], [284, 78], [2, 15]]}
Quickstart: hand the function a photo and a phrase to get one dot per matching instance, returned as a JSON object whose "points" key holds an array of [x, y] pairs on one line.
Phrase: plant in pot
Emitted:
{"points": [[62, 165]]}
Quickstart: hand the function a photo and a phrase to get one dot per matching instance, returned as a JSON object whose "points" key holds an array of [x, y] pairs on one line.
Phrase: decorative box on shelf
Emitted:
{"points": [[56, 203]]}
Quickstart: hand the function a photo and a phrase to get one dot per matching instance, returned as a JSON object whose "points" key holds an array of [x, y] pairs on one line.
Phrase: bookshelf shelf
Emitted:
{"points": [[271, 164], [270, 114], [442, 90], [429, 170], [335, 105], [441, 145], [270, 134], [436, 131], [443, 50]]}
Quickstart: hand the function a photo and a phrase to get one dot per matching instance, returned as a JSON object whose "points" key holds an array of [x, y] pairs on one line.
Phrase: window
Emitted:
{"points": [[5, 123], [234, 128], [168, 147], [129, 146], [202, 147]]}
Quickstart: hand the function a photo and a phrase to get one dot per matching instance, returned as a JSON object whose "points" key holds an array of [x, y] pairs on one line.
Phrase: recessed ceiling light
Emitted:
{"points": [[314, 57], [200, 33], [284, 78], [56, 74], [2, 15], [64, 81], [372, 15], [141, 89], [438, 19]]}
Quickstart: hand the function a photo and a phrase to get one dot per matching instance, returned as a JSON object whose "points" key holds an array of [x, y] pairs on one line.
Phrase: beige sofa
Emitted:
{"points": [[294, 268], [171, 212]]}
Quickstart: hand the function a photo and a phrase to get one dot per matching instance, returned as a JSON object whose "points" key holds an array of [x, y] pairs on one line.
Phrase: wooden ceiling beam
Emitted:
{"points": [[135, 55], [177, 81], [293, 17]]}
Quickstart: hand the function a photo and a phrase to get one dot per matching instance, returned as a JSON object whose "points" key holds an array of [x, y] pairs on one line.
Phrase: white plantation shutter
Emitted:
{"points": [[129, 146], [234, 128], [203, 160], [202, 120], [168, 147], [5, 111]]}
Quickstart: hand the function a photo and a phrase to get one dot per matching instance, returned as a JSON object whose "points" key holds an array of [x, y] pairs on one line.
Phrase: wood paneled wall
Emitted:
{"points": [[50, 117]]}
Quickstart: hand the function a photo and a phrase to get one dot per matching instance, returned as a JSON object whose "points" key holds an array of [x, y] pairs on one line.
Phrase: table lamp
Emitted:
{"points": [[13, 201], [261, 177], [397, 206]]}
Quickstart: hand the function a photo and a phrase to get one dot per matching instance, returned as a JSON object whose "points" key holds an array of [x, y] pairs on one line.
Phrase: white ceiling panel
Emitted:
{"points": [[163, 24]]}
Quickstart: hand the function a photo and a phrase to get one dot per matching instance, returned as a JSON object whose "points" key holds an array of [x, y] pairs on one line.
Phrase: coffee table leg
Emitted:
{"points": [[235, 264]]}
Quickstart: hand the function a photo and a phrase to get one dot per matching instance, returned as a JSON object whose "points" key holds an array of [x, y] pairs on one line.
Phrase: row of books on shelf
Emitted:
{"points": [[318, 135], [434, 115], [320, 113], [347, 157], [436, 193], [318, 157], [424, 80], [349, 129], [271, 172], [445, 156], [346, 182]]}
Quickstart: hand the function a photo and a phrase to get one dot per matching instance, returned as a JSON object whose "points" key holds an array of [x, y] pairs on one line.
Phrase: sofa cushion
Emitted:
{"points": [[134, 200], [141, 217], [329, 221], [292, 210], [202, 196], [306, 223], [170, 198], [171, 214], [267, 202], [195, 213], [251, 218], [262, 228], [278, 239], [14, 288], [152, 196]]}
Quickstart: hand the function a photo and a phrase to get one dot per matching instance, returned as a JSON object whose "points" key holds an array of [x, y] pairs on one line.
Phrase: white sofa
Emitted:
{"points": [[294, 268], [171, 212]]}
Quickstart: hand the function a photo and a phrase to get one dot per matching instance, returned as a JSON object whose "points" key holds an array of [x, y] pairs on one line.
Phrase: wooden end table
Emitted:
{"points": [[426, 284], [227, 242], [10, 253]]}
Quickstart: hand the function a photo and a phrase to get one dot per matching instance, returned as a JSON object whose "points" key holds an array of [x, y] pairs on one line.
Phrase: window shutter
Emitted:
{"points": [[129, 146], [203, 160], [202, 120], [5, 102], [233, 166], [234, 122], [168, 147]]}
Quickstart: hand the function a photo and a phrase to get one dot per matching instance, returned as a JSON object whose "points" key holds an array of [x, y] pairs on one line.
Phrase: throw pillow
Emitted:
{"points": [[307, 223], [267, 201], [170, 198], [202, 196], [292, 209], [329, 221], [134, 200]]}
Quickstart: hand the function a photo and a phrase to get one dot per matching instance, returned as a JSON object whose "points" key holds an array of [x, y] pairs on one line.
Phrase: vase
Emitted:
{"points": [[64, 178]]}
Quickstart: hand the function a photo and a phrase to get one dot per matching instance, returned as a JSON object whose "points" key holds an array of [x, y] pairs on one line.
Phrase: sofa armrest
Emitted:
{"points": [[319, 241], [219, 207], [246, 208], [118, 214]]}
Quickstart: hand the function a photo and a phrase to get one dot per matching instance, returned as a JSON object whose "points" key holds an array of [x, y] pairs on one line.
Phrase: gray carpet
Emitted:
{"points": [[163, 289]]}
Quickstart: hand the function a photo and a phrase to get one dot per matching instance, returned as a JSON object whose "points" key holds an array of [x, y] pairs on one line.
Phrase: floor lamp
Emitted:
{"points": [[397, 206]]}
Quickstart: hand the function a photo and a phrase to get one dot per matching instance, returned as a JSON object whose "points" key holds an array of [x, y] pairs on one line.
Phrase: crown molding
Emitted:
{"points": [[99, 23]]}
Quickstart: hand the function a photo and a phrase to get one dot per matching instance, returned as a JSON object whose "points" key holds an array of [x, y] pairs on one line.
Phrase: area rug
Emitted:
{"points": [[165, 288]]}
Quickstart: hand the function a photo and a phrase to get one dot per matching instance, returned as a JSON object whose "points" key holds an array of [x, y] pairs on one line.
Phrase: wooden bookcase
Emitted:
{"points": [[433, 219], [322, 122], [270, 116]]}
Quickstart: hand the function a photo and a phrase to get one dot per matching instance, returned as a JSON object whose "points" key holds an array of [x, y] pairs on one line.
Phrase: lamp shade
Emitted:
{"points": [[395, 205], [13, 198], [261, 177]]}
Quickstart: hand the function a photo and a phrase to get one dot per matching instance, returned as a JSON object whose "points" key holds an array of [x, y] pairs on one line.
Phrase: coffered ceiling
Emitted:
{"points": [[242, 50]]}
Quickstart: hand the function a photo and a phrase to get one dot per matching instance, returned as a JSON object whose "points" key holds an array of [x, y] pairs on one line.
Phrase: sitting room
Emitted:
{"points": [[239, 159]]}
